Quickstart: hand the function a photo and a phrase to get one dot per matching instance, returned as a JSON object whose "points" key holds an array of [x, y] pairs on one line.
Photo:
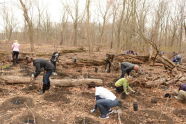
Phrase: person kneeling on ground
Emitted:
{"points": [[181, 93], [48, 67], [122, 85], [127, 67], [105, 100], [177, 59]]}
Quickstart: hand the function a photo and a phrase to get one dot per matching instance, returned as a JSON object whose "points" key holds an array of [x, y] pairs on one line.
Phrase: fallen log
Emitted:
{"points": [[10, 80], [86, 62], [78, 50], [131, 58]]}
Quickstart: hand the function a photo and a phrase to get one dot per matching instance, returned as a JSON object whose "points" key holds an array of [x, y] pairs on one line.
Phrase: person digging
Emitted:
{"points": [[127, 67], [39, 65], [122, 86], [105, 100]]}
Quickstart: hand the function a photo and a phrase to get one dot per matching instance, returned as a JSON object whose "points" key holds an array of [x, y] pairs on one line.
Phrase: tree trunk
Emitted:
{"points": [[30, 26]]}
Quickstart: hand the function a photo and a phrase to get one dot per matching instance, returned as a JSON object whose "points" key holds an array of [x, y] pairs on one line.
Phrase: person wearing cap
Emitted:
{"points": [[39, 65], [54, 59], [105, 100], [15, 51], [122, 85], [181, 93], [127, 67]]}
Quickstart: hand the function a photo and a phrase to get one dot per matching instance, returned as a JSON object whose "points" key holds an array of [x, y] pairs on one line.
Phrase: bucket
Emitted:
{"points": [[135, 106]]}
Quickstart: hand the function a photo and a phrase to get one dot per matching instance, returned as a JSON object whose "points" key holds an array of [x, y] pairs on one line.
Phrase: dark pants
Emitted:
{"points": [[119, 89], [177, 60], [46, 80], [123, 71], [108, 66], [105, 104], [15, 55]]}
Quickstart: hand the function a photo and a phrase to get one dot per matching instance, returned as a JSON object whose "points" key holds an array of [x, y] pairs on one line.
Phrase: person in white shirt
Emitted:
{"points": [[105, 100], [15, 51]]}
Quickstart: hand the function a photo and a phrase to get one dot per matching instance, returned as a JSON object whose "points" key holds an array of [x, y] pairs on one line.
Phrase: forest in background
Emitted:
{"points": [[120, 24]]}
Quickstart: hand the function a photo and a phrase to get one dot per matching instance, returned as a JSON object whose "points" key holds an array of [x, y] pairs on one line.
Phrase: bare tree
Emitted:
{"points": [[119, 26], [76, 17], [10, 22], [88, 2], [47, 27], [29, 23], [40, 11], [63, 26], [105, 16], [115, 6]]}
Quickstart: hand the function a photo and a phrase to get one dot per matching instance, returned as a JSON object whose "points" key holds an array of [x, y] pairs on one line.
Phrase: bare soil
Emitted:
{"points": [[20, 104]]}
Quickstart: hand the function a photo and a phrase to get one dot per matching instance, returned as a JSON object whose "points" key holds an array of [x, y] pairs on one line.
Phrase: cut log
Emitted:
{"points": [[57, 82]]}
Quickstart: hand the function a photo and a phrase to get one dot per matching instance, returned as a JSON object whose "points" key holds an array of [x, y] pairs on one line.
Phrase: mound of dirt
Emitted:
{"points": [[58, 94], [85, 120], [30, 118], [180, 112], [17, 102]]}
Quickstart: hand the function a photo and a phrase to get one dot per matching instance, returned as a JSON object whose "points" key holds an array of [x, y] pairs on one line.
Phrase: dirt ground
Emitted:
{"points": [[20, 104]]}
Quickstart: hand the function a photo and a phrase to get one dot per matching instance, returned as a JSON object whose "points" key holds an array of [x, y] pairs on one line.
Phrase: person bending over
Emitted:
{"points": [[105, 100], [39, 65], [127, 67], [122, 86]]}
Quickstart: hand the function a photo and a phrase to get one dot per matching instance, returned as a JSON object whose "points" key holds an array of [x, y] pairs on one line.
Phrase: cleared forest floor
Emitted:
{"points": [[66, 105]]}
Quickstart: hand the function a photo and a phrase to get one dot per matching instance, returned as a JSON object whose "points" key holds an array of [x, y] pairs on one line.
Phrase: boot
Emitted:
{"points": [[48, 86], [42, 91]]}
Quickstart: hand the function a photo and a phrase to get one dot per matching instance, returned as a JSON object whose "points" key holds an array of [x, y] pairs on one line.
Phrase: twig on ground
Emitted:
{"points": [[119, 118], [165, 108], [31, 113]]}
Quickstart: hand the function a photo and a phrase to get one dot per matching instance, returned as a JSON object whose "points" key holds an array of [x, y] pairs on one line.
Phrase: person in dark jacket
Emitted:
{"points": [[54, 59], [108, 62], [48, 68], [127, 67], [177, 59]]}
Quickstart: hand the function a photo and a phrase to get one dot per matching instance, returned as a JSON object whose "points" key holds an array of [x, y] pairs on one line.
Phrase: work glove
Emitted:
{"points": [[32, 77], [54, 73], [93, 110], [133, 91], [127, 93]]}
